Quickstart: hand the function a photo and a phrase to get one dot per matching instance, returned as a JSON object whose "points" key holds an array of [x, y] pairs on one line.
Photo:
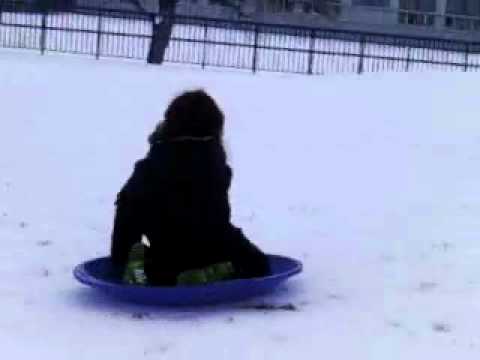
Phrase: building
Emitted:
{"points": [[456, 19], [444, 18]]}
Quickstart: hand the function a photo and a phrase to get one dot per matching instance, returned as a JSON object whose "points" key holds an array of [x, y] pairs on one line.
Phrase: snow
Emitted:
{"points": [[372, 181]]}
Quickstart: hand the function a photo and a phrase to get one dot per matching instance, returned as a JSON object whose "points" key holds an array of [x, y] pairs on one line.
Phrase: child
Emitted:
{"points": [[177, 197]]}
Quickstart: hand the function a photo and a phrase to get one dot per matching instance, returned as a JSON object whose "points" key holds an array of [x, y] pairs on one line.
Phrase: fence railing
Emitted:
{"points": [[223, 43]]}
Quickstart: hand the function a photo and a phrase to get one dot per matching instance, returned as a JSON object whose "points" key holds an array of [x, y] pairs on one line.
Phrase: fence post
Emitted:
{"points": [[43, 34], [99, 36], [467, 56], [409, 49], [362, 55], [310, 52], [205, 33], [255, 49]]}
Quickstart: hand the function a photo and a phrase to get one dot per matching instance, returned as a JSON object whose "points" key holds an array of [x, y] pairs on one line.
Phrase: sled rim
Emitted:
{"points": [[83, 276]]}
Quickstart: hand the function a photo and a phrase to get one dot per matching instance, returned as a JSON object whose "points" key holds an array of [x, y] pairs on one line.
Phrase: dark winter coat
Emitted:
{"points": [[178, 197]]}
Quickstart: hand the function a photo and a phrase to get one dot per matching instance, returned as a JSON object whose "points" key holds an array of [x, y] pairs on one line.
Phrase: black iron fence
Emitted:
{"points": [[243, 45]]}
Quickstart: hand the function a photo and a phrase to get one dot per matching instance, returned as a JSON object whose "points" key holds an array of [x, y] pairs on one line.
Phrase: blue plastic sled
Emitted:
{"points": [[99, 274]]}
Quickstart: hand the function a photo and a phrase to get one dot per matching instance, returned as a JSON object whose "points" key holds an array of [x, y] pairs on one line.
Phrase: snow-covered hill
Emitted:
{"points": [[372, 181]]}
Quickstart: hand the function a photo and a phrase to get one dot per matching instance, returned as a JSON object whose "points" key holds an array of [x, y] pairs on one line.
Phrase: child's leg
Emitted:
{"points": [[135, 269], [209, 274]]}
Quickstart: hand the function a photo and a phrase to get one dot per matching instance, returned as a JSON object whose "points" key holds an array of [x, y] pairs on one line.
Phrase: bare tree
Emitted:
{"points": [[162, 31]]}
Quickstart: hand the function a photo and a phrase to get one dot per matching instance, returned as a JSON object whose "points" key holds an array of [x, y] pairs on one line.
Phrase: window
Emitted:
{"points": [[417, 12], [329, 8], [419, 5], [464, 7], [379, 3], [460, 13]]}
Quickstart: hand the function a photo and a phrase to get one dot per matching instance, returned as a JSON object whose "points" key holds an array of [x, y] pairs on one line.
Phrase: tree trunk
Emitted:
{"points": [[55, 4], [162, 32]]}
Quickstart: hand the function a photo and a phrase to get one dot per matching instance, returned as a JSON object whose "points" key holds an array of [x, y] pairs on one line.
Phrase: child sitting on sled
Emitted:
{"points": [[177, 201]]}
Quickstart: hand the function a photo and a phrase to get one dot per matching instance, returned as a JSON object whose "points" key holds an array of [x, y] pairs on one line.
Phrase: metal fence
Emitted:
{"points": [[223, 43]]}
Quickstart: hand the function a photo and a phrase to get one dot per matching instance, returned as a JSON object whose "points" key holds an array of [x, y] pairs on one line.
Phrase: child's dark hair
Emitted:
{"points": [[194, 114]]}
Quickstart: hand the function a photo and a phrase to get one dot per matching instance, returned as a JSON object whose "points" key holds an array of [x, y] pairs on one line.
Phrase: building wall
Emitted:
{"points": [[438, 18], [444, 18]]}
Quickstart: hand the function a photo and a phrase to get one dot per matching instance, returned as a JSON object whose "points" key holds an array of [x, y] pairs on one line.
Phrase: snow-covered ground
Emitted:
{"points": [[372, 181]]}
